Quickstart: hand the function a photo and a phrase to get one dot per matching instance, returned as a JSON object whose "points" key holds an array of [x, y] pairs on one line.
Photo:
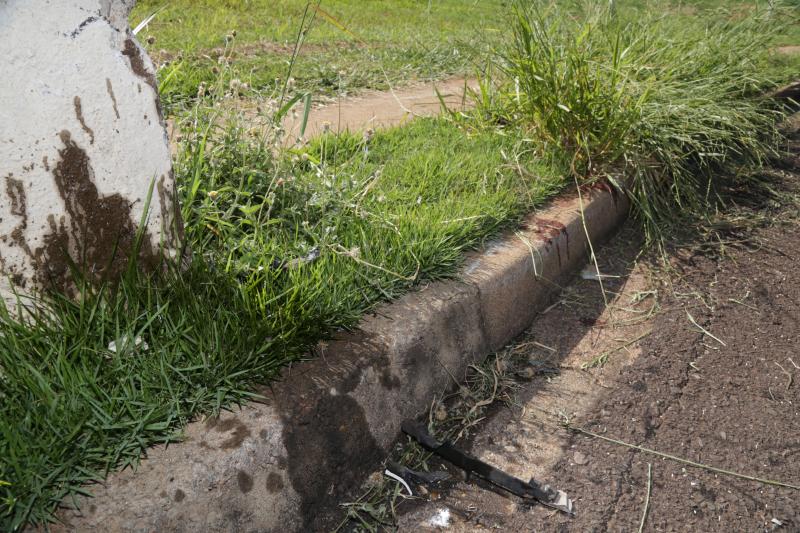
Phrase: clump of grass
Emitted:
{"points": [[73, 408], [663, 106]]}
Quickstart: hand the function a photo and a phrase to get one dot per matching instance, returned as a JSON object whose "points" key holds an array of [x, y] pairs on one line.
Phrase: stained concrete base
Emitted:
{"points": [[282, 465]]}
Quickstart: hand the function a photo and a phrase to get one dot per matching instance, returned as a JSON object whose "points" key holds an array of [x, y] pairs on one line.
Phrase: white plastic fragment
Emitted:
{"points": [[591, 273], [441, 518], [400, 480], [114, 347]]}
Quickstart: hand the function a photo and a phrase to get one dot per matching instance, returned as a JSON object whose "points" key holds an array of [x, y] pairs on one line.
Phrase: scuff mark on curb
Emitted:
{"points": [[282, 464]]}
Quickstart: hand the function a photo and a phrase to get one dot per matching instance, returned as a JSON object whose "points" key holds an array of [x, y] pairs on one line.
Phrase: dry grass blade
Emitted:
{"points": [[647, 496], [702, 329], [682, 460]]}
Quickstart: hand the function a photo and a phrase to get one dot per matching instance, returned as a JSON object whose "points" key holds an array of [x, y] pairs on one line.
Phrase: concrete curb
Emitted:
{"points": [[283, 464]]}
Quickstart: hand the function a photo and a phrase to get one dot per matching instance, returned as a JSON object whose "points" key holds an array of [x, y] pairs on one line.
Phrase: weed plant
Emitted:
{"points": [[663, 106]]}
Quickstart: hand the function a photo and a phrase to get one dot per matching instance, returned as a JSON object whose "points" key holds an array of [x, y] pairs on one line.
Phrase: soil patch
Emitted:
{"points": [[788, 50], [383, 109]]}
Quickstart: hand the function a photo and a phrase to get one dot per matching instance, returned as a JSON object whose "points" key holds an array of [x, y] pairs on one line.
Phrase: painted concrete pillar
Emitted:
{"points": [[81, 140]]}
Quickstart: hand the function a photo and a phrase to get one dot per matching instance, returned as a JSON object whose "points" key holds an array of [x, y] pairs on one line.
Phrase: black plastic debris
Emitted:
{"points": [[417, 477], [531, 490]]}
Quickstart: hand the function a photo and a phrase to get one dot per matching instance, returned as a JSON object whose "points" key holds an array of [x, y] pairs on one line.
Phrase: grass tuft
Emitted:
{"points": [[664, 106]]}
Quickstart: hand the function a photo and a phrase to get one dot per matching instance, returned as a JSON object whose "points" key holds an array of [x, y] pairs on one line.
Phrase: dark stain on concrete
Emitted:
{"points": [[45, 163], [134, 55], [318, 436], [179, 495], [237, 438], [549, 229], [245, 481], [79, 113], [228, 424], [110, 89], [15, 190], [103, 232], [263, 434], [274, 483], [77, 31], [319, 429], [239, 431]]}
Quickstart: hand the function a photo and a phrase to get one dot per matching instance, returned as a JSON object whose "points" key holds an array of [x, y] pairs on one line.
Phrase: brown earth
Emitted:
{"points": [[726, 397], [382, 109]]}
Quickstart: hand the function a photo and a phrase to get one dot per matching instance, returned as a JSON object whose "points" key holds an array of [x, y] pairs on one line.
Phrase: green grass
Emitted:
{"points": [[666, 107], [378, 217], [363, 44]]}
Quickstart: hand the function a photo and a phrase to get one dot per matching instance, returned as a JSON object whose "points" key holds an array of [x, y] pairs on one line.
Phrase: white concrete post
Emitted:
{"points": [[81, 140]]}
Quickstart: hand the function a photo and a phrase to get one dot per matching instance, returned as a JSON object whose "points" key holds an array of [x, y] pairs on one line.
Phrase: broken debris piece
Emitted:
{"points": [[531, 490]]}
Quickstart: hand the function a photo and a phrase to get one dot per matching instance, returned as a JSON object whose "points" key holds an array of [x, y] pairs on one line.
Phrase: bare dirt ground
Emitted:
{"points": [[382, 109], [700, 361]]}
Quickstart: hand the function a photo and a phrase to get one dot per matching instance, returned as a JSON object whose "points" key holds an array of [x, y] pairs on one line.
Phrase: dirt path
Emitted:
{"points": [[358, 113], [381, 109], [728, 397]]}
